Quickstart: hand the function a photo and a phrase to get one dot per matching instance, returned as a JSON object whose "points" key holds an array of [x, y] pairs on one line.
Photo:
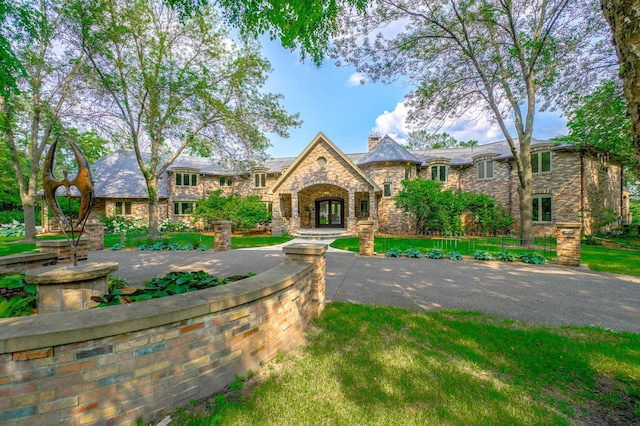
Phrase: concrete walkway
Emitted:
{"points": [[537, 294]]}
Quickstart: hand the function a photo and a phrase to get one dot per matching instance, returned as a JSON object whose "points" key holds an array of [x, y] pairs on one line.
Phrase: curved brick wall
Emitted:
{"points": [[116, 364]]}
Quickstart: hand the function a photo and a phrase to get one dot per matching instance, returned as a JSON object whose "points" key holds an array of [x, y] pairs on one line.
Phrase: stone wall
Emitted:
{"points": [[116, 364], [391, 219], [15, 263]]}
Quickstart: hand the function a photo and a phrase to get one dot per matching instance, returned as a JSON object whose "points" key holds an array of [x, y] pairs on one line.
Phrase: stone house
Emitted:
{"points": [[325, 188]]}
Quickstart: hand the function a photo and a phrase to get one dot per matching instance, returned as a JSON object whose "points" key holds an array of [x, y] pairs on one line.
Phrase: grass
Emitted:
{"points": [[198, 239], [617, 261], [385, 365], [257, 241], [12, 245]]}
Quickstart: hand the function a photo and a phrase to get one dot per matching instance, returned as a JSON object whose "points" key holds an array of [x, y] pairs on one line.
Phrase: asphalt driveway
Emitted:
{"points": [[537, 294]]}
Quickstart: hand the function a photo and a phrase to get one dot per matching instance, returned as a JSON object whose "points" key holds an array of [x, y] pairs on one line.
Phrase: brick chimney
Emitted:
{"points": [[373, 141]]}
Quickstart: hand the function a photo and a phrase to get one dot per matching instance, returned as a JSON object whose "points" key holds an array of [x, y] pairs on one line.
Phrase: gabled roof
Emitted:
{"points": [[320, 137], [388, 150]]}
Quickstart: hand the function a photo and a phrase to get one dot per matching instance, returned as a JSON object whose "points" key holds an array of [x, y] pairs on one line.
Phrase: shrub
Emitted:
{"points": [[533, 258], [394, 252], [506, 257], [116, 247], [202, 247], [482, 255], [454, 255], [435, 254], [412, 252], [13, 229], [17, 298], [244, 213], [116, 224], [116, 283]]}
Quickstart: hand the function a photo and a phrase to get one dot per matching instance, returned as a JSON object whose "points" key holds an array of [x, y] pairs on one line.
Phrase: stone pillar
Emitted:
{"points": [[352, 224], [568, 243], [67, 288], [294, 222], [63, 249], [365, 232], [94, 232], [311, 253], [222, 235]]}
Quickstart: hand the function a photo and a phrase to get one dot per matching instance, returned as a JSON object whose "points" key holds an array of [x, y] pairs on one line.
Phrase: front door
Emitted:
{"points": [[330, 213]]}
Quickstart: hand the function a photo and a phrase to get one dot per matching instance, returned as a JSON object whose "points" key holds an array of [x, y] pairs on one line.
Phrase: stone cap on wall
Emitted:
{"points": [[57, 274], [305, 248], [59, 243], [569, 225], [26, 257]]}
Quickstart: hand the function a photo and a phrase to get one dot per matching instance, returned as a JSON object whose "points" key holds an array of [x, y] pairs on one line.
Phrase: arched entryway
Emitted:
{"points": [[330, 212]]}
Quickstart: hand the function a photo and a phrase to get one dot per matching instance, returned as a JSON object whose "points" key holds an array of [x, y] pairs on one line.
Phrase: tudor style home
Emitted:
{"points": [[325, 188]]}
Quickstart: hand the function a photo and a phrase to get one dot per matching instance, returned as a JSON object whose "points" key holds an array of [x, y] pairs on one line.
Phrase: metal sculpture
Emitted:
{"points": [[82, 182]]}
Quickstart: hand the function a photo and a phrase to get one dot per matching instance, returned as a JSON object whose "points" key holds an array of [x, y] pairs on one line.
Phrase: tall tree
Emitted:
{"points": [[17, 20], [176, 83], [624, 19], [423, 139], [506, 56], [31, 115]]}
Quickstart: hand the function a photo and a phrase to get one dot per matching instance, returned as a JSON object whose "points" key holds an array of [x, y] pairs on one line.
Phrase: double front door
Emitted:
{"points": [[330, 213]]}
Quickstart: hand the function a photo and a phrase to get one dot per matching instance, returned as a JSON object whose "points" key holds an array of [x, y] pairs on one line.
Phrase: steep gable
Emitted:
{"points": [[322, 162]]}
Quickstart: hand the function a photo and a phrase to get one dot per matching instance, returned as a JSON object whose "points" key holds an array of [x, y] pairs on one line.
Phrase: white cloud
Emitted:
{"points": [[356, 79], [478, 125], [393, 123]]}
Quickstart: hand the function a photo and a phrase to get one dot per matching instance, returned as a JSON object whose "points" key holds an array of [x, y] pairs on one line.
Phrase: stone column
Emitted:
{"points": [[94, 232], [568, 243], [222, 235], [63, 289], [352, 225], [315, 254], [63, 249], [365, 232], [294, 223]]}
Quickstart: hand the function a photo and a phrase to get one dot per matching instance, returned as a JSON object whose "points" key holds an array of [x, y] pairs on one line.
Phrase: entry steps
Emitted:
{"points": [[321, 233]]}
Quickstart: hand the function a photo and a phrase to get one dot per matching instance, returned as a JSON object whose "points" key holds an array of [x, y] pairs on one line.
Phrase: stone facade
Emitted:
{"points": [[581, 186]]}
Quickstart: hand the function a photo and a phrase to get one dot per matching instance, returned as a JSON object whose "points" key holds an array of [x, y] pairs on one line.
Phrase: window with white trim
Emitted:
{"points": [[123, 208], [541, 162], [439, 172], [364, 206], [485, 169], [260, 180], [183, 207], [186, 179], [542, 208]]}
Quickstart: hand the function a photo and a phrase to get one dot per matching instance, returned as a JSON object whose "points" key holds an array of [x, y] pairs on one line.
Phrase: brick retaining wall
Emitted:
{"points": [[116, 364]]}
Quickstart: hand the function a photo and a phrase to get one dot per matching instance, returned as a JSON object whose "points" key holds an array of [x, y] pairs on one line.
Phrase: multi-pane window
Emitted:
{"points": [[542, 208], [183, 207], [186, 179], [541, 162], [387, 189], [407, 173], [123, 208], [364, 207], [260, 180], [485, 169], [226, 181], [439, 173]]}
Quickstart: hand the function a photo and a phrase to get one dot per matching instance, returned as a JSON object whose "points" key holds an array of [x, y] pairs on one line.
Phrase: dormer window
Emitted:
{"points": [[226, 181], [439, 172], [186, 179], [485, 169], [260, 180]]}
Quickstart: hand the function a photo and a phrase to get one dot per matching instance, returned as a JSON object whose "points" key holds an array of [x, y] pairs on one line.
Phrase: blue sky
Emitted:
{"points": [[330, 100]]}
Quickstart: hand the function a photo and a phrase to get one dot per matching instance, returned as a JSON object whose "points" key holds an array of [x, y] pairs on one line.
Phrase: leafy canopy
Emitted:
{"points": [[244, 213]]}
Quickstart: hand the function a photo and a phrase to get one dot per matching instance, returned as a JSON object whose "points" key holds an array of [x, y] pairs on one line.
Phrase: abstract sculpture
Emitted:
{"points": [[72, 228]]}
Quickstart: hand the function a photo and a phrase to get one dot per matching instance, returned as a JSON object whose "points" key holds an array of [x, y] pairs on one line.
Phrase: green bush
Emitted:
{"points": [[116, 247], [435, 254], [482, 255], [394, 252], [244, 213], [506, 257], [455, 255], [533, 258], [17, 298], [412, 252], [116, 283], [116, 224], [13, 229]]}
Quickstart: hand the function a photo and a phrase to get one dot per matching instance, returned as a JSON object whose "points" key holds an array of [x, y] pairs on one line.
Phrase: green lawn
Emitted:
{"points": [[617, 261], [393, 366], [196, 238], [12, 245]]}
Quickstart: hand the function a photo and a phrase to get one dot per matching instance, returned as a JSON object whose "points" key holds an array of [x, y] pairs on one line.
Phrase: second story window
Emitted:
{"points": [[541, 162], [226, 181], [186, 179], [485, 169], [260, 180], [439, 172], [387, 189]]}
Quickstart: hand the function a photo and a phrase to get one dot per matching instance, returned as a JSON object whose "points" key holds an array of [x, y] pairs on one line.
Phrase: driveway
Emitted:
{"points": [[537, 294]]}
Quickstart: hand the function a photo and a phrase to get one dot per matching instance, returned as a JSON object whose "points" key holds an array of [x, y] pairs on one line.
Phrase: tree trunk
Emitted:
{"points": [[153, 219], [525, 196], [624, 19], [28, 207]]}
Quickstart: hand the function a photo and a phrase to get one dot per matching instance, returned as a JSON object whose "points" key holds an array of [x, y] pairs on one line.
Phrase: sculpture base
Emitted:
{"points": [[68, 288]]}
